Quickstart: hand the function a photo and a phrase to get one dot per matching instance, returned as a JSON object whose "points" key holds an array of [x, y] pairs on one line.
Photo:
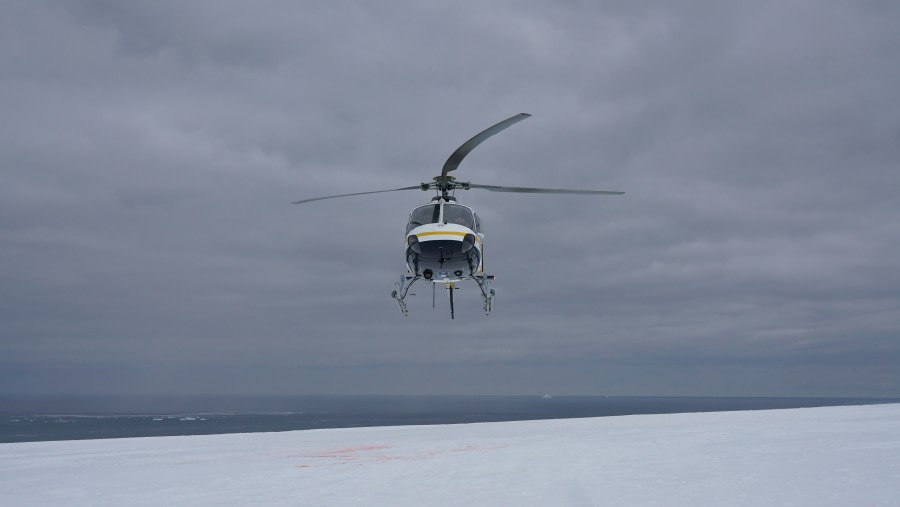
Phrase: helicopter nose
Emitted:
{"points": [[448, 245], [436, 248]]}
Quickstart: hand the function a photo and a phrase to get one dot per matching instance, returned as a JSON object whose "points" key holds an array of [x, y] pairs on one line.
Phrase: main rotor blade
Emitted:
{"points": [[529, 190], [457, 156], [417, 187]]}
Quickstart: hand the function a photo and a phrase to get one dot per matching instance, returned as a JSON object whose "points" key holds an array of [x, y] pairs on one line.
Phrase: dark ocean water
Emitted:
{"points": [[27, 419]]}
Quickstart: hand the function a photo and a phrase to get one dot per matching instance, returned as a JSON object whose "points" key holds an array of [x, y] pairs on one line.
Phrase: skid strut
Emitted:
{"points": [[402, 290], [487, 293]]}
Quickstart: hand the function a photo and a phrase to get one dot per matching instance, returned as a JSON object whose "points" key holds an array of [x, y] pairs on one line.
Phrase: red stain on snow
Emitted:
{"points": [[363, 454], [344, 453], [361, 448]]}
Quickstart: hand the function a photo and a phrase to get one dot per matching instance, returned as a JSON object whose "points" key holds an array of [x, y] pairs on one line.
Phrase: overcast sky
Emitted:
{"points": [[149, 152]]}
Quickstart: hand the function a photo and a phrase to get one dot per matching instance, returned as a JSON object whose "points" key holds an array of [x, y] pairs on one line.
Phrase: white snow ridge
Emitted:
{"points": [[811, 456]]}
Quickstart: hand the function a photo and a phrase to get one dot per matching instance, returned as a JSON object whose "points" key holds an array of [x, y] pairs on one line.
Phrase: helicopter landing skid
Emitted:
{"points": [[487, 294], [402, 290], [405, 282]]}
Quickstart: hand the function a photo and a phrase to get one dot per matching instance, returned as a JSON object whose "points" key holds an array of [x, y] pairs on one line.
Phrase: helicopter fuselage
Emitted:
{"points": [[444, 242]]}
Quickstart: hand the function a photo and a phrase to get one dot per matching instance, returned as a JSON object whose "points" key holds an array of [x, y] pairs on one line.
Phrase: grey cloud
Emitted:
{"points": [[149, 152]]}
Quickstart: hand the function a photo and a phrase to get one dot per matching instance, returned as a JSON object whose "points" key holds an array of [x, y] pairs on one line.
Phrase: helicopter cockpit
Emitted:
{"points": [[460, 215], [452, 214]]}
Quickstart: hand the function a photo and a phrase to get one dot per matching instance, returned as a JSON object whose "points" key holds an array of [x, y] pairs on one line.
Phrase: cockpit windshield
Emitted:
{"points": [[428, 214], [460, 215], [431, 214]]}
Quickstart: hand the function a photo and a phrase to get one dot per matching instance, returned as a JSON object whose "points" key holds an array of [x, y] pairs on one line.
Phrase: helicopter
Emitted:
{"points": [[444, 239]]}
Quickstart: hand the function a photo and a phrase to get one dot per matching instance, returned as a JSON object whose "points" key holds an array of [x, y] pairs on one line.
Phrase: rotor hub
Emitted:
{"points": [[444, 184]]}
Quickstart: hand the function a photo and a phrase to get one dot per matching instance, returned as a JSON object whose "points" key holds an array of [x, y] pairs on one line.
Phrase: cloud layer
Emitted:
{"points": [[149, 153]]}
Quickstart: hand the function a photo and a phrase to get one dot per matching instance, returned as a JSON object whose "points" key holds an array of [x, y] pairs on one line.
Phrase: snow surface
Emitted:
{"points": [[810, 456]]}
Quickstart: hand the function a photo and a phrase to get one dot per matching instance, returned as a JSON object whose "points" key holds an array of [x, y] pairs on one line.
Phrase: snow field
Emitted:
{"points": [[811, 456]]}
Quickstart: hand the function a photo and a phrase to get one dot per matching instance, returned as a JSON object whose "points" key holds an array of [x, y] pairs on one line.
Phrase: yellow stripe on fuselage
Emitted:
{"points": [[446, 233], [439, 233]]}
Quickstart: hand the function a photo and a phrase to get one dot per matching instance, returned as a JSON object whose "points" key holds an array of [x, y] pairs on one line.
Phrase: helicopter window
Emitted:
{"points": [[461, 215], [422, 215], [477, 224]]}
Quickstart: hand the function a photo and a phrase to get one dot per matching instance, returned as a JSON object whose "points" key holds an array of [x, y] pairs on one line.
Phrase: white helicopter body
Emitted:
{"points": [[444, 245], [444, 241]]}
